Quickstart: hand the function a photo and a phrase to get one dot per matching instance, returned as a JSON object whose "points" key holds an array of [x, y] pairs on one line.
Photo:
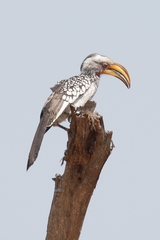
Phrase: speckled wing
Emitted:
{"points": [[63, 94], [73, 88]]}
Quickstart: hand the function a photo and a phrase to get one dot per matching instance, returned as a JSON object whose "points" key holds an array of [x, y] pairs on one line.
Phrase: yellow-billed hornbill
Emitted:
{"points": [[75, 91]]}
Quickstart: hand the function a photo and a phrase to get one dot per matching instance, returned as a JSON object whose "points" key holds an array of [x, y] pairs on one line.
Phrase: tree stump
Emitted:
{"points": [[88, 148]]}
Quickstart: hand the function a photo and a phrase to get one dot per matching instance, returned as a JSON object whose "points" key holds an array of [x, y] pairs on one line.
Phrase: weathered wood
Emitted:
{"points": [[88, 148]]}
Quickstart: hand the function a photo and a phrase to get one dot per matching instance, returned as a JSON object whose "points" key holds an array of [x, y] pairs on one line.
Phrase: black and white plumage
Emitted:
{"points": [[75, 91]]}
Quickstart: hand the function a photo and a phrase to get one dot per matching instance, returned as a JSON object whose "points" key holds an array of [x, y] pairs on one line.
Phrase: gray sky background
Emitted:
{"points": [[42, 42]]}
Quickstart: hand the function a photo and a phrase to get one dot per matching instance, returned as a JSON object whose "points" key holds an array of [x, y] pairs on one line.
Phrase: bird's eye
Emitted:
{"points": [[104, 65]]}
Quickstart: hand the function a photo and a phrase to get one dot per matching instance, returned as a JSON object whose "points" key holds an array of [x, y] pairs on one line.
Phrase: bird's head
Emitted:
{"points": [[99, 64]]}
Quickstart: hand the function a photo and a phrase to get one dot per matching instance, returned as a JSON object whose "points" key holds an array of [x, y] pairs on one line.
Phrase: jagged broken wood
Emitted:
{"points": [[88, 148]]}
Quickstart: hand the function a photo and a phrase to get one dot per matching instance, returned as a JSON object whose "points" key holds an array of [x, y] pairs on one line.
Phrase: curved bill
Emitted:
{"points": [[118, 71]]}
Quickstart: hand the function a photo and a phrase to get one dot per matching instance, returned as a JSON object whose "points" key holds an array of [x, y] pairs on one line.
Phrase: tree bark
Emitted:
{"points": [[88, 148]]}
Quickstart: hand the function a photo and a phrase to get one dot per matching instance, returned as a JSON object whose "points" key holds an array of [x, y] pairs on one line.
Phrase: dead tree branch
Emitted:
{"points": [[88, 148]]}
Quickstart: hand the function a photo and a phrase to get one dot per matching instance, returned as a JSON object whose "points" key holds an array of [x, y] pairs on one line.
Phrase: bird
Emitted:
{"points": [[74, 91]]}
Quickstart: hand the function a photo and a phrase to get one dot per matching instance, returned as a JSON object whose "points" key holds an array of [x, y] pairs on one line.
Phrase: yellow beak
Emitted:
{"points": [[120, 72]]}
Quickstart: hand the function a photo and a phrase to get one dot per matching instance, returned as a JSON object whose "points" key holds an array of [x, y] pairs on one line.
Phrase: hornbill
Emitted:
{"points": [[75, 91]]}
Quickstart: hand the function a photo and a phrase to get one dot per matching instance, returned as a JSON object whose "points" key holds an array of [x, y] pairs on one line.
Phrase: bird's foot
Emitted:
{"points": [[88, 107], [79, 111]]}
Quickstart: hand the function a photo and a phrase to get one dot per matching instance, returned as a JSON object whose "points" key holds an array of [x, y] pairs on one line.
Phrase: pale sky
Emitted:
{"points": [[42, 42]]}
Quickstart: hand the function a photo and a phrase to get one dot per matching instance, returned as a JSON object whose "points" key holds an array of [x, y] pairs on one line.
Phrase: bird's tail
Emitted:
{"points": [[37, 141], [52, 110]]}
